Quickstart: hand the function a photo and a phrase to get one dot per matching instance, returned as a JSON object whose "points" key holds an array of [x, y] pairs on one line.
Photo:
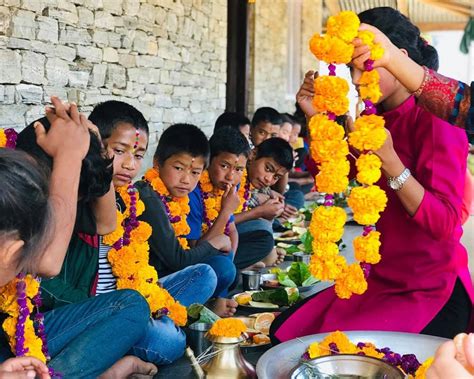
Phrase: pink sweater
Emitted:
{"points": [[421, 255]]}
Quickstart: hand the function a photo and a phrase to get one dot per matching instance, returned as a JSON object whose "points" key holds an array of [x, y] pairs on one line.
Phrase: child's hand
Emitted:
{"points": [[362, 52], [230, 200], [277, 195], [305, 94], [289, 211], [22, 368], [68, 135], [271, 208]]}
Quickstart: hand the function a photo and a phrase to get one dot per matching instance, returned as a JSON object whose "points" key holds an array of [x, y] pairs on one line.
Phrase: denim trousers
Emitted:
{"points": [[86, 338], [164, 342], [224, 267]]}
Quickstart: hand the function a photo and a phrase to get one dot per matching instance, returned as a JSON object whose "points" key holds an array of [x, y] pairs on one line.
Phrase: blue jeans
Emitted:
{"points": [[164, 342], [88, 337], [225, 270]]}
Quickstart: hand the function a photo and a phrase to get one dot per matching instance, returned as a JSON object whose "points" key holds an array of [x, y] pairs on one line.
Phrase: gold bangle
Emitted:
{"points": [[426, 74]]}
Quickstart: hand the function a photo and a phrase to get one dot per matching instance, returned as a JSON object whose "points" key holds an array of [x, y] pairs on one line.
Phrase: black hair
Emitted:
{"points": [[403, 34], [96, 170], [278, 149], [233, 119], [229, 140], [109, 114], [266, 114], [182, 138], [25, 210], [286, 117]]}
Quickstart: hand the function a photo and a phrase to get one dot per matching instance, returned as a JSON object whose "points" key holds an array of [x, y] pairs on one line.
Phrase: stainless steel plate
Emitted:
{"points": [[281, 360]]}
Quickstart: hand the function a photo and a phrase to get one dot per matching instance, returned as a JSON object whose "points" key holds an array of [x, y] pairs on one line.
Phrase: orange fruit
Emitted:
{"points": [[263, 322]]}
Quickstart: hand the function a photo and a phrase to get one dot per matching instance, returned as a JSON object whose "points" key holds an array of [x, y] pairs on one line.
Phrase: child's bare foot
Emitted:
{"points": [[224, 307], [130, 366], [276, 257], [256, 266]]}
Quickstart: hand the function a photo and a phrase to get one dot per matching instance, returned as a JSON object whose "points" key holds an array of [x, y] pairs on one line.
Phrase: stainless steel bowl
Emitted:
{"points": [[346, 366]]}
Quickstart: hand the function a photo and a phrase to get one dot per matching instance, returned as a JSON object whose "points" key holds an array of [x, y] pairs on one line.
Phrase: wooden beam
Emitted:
{"points": [[402, 6], [432, 26], [333, 6], [237, 56], [454, 8]]}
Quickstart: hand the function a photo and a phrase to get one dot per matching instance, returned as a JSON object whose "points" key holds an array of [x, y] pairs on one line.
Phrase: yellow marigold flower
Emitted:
{"points": [[421, 372], [369, 78], [331, 49], [111, 238], [370, 92], [228, 327], [366, 248], [370, 350], [368, 168], [3, 138], [178, 313], [322, 151], [367, 37], [315, 351], [331, 95], [369, 133], [342, 342], [344, 25], [351, 281], [376, 51], [326, 263], [367, 203], [141, 233], [328, 218], [332, 177], [321, 128]]}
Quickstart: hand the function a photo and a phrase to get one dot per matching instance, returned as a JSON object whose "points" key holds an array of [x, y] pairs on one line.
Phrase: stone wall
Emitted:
{"points": [[166, 57], [269, 39]]}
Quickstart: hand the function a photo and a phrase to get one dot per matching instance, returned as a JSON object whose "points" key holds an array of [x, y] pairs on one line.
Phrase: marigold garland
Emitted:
{"points": [[177, 207], [129, 261], [244, 192], [338, 343], [212, 202], [228, 327], [8, 304], [329, 149]]}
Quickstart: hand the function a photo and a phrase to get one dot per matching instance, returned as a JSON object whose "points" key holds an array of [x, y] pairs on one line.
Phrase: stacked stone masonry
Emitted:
{"points": [[166, 57]]}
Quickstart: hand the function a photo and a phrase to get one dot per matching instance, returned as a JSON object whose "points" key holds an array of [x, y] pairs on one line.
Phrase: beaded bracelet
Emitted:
{"points": [[426, 72]]}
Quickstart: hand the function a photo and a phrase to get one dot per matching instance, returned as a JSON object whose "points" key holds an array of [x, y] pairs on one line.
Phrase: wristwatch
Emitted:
{"points": [[396, 182]]}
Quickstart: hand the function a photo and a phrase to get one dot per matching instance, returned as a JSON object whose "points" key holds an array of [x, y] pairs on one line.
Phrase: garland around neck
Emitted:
{"points": [[177, 208], [129, 259]]}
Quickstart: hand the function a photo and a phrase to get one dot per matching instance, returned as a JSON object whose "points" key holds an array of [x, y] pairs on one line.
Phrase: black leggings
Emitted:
{"points": [[455, 315]]}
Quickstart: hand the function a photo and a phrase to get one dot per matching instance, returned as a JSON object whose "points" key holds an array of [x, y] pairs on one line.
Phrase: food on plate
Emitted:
{"points": [[263, 321], [243, 298], [261, 304], [277, 296], [271, 283], [260, 339], [289, 234]]}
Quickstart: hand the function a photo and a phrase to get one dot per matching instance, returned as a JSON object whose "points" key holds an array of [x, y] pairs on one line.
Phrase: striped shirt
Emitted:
{"points": [[106, 280]]}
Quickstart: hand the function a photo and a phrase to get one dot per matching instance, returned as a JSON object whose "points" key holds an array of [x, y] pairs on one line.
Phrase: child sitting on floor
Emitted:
{"points": [[180, 158], [35, 228], [272, 159], [215, 199]]}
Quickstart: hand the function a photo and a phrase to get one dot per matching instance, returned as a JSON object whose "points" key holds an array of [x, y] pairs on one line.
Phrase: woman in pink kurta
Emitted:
{"points": [[422, 283]]}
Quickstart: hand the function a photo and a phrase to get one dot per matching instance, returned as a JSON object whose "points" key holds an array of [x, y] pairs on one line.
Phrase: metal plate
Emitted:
{"points": [[281, 360]]}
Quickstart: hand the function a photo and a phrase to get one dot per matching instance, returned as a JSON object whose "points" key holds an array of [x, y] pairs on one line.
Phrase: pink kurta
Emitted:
{"points": [[421, 255]]}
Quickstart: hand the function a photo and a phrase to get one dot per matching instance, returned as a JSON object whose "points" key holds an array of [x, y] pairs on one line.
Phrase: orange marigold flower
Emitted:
{"points": [[368, 168], [351, 281], [326, 263], [178, 313], [367, 203], [331, 49], [421, 372], [331, 95], [369, 133], [332, 177], [3, 138], [228, 327], [366, 248], [322, 151], [344, 25], [321, 128], [370, 92]]}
